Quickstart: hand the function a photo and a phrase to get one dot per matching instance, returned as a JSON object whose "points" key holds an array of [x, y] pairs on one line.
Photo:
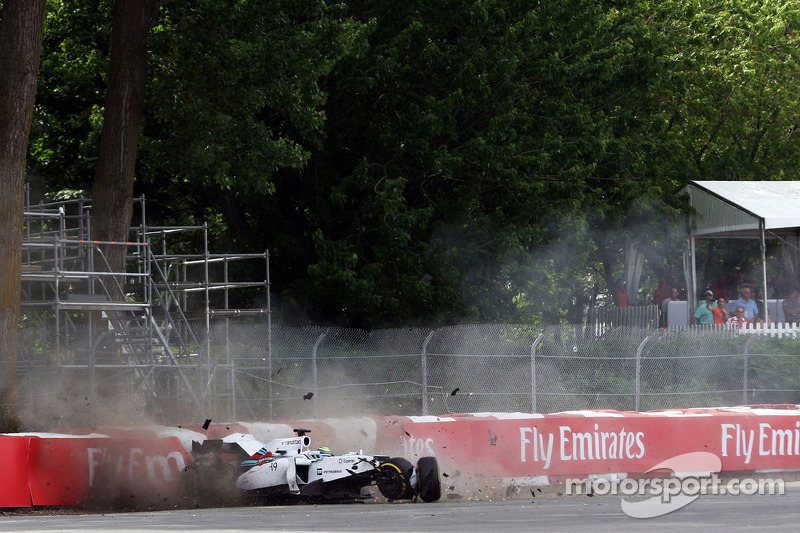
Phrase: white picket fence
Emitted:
{"points": [[774, 329]]}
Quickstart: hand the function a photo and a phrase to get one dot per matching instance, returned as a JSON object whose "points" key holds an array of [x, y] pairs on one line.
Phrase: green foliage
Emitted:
{"points": [[430, 163], [234, 92], [67, 120], [494, 129], [739, 107]]}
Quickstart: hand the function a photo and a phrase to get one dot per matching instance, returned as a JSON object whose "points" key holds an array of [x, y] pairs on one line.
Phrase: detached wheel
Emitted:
{"points": [[394, 479], [430, 486]]}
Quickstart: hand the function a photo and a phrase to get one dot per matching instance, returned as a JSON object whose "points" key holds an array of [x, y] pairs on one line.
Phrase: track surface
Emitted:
{"points": [[574, 513]]}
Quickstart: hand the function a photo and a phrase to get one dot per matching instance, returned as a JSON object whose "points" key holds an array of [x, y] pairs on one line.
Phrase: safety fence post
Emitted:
{"points": [[639, 350], [314, 369], [533, 370], [425, 372]]}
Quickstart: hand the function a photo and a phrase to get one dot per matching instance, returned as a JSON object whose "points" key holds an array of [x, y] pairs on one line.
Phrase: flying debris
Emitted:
{"points": [[308, 396], [206, 423], [454, 391]]}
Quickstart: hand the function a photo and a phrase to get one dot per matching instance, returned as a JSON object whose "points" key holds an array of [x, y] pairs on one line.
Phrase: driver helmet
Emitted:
{"points": [[325, 451]]}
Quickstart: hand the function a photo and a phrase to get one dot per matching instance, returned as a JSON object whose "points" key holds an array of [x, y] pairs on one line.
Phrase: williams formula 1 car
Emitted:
{"points": [[289, 468]]}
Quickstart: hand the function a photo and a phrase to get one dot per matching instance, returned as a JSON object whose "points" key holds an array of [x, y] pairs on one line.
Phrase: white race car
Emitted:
{"points": [[290, 468]]}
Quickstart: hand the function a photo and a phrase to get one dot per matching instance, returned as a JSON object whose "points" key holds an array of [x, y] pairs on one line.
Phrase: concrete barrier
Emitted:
{"points": [[51, 470], [501, 450], [541, 448]]}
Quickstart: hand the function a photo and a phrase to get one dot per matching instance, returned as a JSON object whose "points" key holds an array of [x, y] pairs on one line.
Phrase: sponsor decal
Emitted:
{"points": [[132, 464], [573, 445], [765, 441], [570, 445], [413, 446]]}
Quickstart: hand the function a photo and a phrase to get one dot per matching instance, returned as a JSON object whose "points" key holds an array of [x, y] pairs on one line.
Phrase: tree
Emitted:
{"points": [[443, 161], [235, 98], [730, 111], [738, 64], [20, 47], [68, 117], [473, 142], [112, 198], [232, 97]]}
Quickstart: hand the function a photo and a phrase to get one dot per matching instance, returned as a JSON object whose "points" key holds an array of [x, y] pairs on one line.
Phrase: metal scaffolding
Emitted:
{"points": [[155, 340]]}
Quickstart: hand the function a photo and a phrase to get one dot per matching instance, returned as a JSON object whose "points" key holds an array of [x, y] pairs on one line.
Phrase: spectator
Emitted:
{"points": [[673, 297], [720, 288], [791, 307], [662, 292], [759, 305], [703, 314], [782, 283], [742, 281], [622, 294], [720, 313], [749, 306], [732, 283], [770, 292], [738, 320]]}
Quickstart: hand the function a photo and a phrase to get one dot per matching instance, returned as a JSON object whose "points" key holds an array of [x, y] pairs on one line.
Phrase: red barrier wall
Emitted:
{"points": [[14, 489], [71, 471], [593, 442], [68, 471]]}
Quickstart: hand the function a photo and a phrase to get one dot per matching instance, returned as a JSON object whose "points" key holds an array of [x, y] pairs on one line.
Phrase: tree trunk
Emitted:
{"points": [[20, 47], [607, 264], [112, 197]]}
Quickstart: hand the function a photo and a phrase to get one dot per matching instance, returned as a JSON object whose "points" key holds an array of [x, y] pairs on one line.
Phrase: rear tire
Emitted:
{"points": [[430, 486], [394, 479]]}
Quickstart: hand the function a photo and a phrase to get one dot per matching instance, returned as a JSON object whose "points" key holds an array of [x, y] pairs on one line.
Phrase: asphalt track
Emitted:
{"points": [[574, 513]]}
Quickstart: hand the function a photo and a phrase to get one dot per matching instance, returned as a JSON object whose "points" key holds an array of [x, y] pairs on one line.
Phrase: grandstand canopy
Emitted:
{"points": [[750, 210], [739, 208]]}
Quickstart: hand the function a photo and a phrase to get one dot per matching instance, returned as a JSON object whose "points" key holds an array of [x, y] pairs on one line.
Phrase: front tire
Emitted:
{"points": [[394, 479], [430, 486]]}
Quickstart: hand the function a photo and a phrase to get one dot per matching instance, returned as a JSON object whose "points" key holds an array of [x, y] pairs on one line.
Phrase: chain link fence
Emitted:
{"points": [[249, 371], [489, 368]]}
